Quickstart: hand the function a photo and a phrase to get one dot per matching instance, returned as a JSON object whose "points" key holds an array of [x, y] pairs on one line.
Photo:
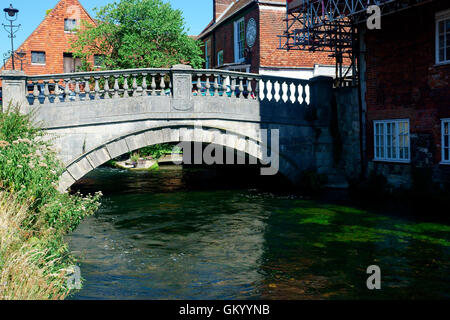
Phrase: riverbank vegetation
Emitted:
{"points": [[34, 215]]}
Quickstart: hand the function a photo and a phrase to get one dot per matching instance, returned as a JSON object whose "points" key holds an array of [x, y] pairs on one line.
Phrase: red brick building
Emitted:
{"points": [[407, 98], [48, 47], [242, 36]]}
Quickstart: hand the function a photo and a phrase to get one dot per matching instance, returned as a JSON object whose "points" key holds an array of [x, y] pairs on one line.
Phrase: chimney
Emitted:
{"points": [[220, 6]]}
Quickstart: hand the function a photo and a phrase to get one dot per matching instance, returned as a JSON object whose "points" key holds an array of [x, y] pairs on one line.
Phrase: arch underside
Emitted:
{"points": [[253, 146]]}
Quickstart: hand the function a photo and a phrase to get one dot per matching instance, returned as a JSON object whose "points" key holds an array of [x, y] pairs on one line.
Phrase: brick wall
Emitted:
{"points": [[219, 7], [403, 81], [265, 52], [271, 26], [51, 38]]}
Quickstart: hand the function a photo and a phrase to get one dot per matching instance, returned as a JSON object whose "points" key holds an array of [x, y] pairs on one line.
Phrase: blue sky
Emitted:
{"points": [[197, 14]]}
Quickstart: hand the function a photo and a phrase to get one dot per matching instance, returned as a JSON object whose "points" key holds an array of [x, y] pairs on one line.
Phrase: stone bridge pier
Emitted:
{"points": [[97, 116]]}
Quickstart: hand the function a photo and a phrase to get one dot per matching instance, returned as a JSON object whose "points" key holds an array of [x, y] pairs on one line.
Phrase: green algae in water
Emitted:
{"points": [[364, 234]]}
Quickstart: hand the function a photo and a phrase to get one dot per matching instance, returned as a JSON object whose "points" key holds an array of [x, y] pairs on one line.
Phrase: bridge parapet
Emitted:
{"points": [[180, 83], [123, 110]]}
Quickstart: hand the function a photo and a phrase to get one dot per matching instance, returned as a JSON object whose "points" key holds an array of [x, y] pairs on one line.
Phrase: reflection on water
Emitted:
{"points": [[173, 235]]}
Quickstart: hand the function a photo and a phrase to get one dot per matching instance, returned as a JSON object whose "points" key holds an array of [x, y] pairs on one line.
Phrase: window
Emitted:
{"points": [[443, 37], [207, 56], [239, 40], [446, 141], [99, 60], [70, 25], [392, 140], [220, 58], [37, 57], [71, 64]]}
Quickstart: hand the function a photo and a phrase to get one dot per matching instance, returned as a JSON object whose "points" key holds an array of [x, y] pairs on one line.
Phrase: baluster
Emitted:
{"points": [[125, 86], [46, 92], [106, 88], [294, 94], [199, 85], [87, 88], [144, 84], [207, 85], [134, 85], [257, 88], [97, 88], [67, 90], [36, 93], [77, 89], [249, 88], [162, 84], [224, 88], [153, 85], [241, 88], [284, 93], [233, 87], [57, 92], [216, 85], [116, 87], [297, 93]]}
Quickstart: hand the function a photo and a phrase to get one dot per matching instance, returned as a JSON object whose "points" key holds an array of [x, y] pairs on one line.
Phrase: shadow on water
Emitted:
{"points": [[195, 233]]}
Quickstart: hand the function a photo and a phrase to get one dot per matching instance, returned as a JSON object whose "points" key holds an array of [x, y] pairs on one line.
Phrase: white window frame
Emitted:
{"points": [[207, 60], [237, 52], [393, 144], [219, 56], [444, 137], [440, 17]]}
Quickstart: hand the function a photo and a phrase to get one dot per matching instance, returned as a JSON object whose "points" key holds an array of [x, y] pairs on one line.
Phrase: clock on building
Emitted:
{"points": [[251, 32]]}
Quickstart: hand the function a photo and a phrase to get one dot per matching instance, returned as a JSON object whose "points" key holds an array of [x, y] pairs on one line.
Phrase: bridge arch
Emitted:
{"points": [[104, 152]]}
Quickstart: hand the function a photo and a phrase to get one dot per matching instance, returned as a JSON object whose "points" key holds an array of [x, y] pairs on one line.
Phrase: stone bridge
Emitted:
{"points": [[97, 116]]}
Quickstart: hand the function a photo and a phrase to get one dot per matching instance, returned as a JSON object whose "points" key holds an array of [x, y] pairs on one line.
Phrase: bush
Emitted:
{"points": [[29, 174]]}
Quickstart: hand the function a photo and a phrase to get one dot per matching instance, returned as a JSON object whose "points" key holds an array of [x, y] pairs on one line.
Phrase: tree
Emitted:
{"points": [[137, 34]]}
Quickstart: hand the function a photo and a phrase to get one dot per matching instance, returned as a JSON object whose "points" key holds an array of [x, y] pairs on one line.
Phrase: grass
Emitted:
{"points": [[34, 216]]}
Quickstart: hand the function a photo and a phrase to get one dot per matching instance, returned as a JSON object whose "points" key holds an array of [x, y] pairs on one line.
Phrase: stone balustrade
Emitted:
{"points": [[179, 82]]}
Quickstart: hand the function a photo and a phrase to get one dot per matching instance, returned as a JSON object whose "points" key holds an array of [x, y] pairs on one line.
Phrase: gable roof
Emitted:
{"points": [[232, 10], [49, 15]]}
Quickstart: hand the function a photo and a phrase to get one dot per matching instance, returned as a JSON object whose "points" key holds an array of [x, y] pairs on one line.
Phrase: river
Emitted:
{"points": [[180, 234]]}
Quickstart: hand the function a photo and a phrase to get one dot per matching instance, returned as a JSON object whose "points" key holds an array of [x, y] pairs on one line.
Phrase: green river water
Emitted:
{"points": [[173, 234]]}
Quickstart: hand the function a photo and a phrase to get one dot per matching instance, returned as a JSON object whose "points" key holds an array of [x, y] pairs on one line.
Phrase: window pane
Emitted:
{"points": [[441, 27], [38, 57], [447, 25], [70, 24]]}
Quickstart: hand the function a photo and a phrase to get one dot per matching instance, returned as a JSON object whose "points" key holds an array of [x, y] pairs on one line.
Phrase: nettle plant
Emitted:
{"points": [[30, 169]]}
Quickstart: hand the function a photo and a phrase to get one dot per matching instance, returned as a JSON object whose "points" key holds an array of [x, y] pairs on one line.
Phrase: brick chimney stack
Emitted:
{"points": [[220, 6]]}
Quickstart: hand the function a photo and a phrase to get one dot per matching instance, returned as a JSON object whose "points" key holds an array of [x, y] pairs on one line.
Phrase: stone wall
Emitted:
{"points": [[347, 133]]}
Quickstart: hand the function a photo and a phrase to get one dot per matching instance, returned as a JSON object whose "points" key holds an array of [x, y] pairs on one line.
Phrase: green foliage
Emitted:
{"points": [[30, 171], [137, 34], [157, 151]]}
